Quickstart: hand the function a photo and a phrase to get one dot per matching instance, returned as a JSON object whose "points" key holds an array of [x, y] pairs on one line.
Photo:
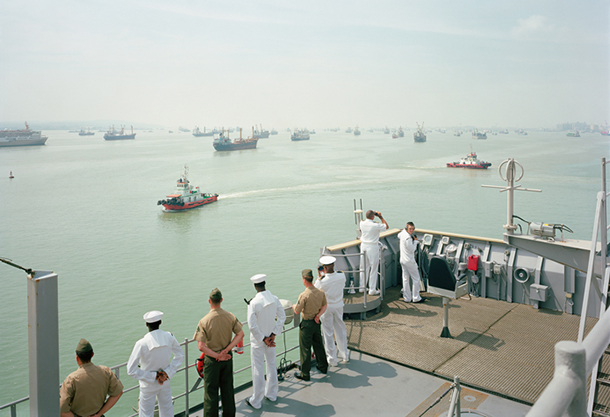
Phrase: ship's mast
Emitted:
{"points": [[510, 178]]}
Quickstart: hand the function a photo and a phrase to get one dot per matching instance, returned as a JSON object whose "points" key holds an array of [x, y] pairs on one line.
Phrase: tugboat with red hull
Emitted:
{"points": [[470, 161], [186, 196]]}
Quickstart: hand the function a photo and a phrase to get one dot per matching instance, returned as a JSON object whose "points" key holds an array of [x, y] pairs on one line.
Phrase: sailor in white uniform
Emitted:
{"points": [[333, 284], [262, 312], [408, 244], [153, 353], [369, 242]]}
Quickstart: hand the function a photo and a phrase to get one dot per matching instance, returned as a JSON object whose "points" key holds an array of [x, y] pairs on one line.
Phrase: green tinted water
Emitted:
{"points": [[87, 209]]}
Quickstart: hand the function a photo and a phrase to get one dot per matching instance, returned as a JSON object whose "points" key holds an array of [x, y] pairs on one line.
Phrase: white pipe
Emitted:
{"points": [[590, 269], [597, 341], [566, 393]]}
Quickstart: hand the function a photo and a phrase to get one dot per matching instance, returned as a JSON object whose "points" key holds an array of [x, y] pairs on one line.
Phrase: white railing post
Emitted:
{"points": [[590, 268], [381, 271], [365, 268], [566, 393], [187, 411], [455, 405]]}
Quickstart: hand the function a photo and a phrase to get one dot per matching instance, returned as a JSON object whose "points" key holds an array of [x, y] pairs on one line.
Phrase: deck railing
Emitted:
{"points": [[566, 394], [189, 362]]}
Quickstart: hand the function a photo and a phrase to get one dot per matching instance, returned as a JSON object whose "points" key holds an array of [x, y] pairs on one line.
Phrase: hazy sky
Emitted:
{"points": [[306, 63]]}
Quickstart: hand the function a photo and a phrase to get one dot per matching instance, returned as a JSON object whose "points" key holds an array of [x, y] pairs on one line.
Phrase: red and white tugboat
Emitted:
{"points": [[186, 196], [470, 161]]}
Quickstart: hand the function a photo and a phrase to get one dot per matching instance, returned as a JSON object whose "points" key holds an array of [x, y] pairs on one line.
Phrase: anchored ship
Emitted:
{"points": [[84, 132], [22, 137], [186, 196], [299, 134], [419, 136], [470, 161], [198, 133], [223, 143], [478, 135], [260, 133], [574, 134], [112, 134]]}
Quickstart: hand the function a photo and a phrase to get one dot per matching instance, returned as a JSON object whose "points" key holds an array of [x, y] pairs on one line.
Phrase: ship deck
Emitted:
{"points": [[498, 347], [369, 386], [503, 354]]}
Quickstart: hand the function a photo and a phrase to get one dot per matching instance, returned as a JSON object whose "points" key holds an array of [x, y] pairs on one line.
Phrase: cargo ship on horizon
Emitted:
{"points": [[112, 134], [223, 143]]}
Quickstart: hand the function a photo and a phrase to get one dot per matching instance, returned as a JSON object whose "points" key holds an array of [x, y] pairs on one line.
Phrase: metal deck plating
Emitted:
{"points": [[498, 347]]}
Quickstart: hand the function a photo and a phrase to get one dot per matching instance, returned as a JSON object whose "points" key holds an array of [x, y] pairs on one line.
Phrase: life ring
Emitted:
{"points": [[199, 364]]}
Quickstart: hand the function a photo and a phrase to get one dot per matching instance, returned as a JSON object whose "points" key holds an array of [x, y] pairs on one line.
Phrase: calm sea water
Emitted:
{"points": [[87, 209]]}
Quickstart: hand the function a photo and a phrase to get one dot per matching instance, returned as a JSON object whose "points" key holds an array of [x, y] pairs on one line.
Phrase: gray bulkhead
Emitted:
{"points": [[504, 272]]}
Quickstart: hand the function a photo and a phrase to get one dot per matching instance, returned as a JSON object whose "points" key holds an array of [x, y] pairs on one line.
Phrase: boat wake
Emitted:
{"points": [[303, 187], [297, 188]]}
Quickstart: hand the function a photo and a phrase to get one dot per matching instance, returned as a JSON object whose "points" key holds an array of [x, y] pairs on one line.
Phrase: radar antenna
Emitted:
{"points": [[510, 176]]}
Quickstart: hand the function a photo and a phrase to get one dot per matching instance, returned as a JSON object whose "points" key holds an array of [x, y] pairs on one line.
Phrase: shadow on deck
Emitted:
{"points": [[497, 346]]}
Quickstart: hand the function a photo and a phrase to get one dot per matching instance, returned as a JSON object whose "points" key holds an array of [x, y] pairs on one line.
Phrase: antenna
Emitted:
{"points": [[509, 177]]}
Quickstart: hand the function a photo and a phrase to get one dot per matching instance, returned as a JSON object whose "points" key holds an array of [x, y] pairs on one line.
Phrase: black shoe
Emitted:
{"points": [[323, 371], [248, 402], [298, 375], [421, 301]]}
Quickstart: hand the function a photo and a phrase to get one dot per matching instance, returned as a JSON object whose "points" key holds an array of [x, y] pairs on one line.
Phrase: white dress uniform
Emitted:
{"points": [[332, 320], [153, 352], [409, 267], [262, 312], [369, 242]]}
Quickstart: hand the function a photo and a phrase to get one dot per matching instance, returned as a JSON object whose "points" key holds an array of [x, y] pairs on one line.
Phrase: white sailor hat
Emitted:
{"points": [[327, 260], [153, 316], [258, 278]]}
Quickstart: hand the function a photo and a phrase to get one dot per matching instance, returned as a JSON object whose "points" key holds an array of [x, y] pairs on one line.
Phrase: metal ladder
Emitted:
{"points": [[599, 402]]}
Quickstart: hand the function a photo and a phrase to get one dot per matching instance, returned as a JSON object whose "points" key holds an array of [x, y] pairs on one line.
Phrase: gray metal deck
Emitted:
{"points": [[369, 386], [496, 346]]}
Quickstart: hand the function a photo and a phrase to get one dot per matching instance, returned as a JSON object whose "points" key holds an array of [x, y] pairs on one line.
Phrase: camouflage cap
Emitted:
{"points": [[83, 347], [215, 295], [307, 273]]}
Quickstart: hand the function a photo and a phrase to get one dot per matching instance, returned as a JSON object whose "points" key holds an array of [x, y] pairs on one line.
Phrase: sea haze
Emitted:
{"points": [[87, 209]]}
